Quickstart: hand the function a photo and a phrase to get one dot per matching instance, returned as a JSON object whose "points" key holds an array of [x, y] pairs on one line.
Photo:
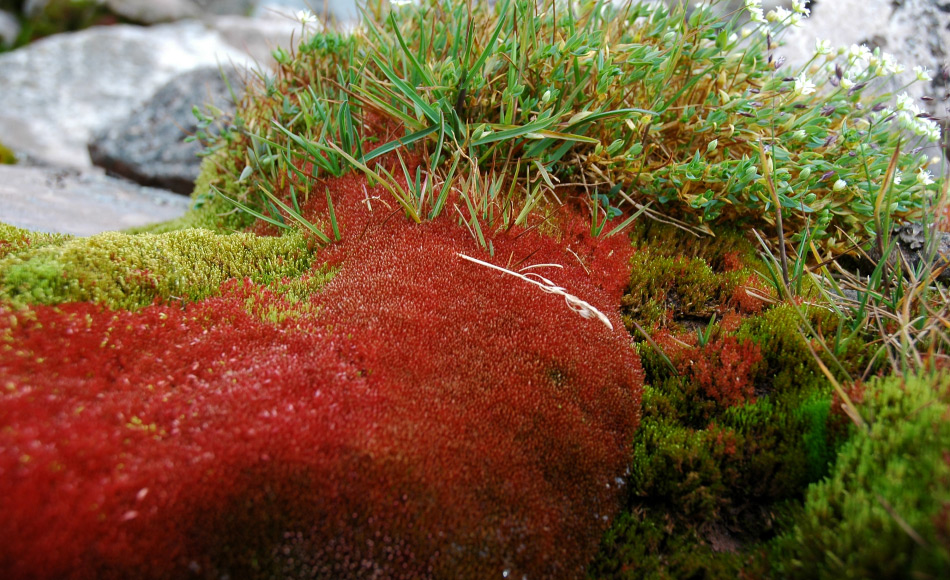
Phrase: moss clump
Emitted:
{"points": [[648, 544], [737, 419], [131, 271], [295, 294], [787, 359], [884, 512], [7, 157], [676, 277], [14, 239]]}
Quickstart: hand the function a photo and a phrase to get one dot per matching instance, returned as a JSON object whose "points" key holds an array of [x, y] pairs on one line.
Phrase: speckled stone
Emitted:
{"points": [[82, 204]]}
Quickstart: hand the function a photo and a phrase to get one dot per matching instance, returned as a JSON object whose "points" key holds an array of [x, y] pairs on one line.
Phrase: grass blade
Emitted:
{"points": [[251, 211]]}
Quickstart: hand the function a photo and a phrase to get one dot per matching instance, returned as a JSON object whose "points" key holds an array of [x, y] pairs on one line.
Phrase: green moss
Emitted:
{"points": [[789, 364], [884, 512], [677, 467], [7, 157], [676, 276], [131, 271], [14, 239], [736, 418], [295, 294], [727, 247], [645, 543]]}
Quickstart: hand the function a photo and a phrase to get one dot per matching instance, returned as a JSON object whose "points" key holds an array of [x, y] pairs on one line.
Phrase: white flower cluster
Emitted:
{"points": [[909, 117], [755, 11], [779, 14], [803, 86], [876, 63]]}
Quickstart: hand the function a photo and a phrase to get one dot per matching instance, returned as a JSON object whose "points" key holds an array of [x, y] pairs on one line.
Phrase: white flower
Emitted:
{"points": [[923, 74], [924, 177], [778, 14], [798, 6], [891, 64], [905, 102], [883, 113], [929, 129], [803, 86], [898, 177], [859, 56], [839, 185], [755, 11], [822, 46], [305, 17], [400, 2], [847, 83]]}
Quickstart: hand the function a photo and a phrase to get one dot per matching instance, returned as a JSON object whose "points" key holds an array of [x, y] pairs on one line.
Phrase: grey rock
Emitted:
{"points": [[342, 11], [148, 146], [59, 90], [918, 243], [257, 36], [154, 11], [915, 32], [9, 29], [158, 11], [82, 204]]}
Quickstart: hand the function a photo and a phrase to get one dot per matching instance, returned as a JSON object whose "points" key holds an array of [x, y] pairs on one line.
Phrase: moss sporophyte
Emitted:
{"points": [[544, 290]]}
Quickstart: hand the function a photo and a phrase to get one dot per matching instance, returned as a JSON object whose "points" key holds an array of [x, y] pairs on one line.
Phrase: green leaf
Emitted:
{"points": [[397, 143], [409, 92], [504, 132]]}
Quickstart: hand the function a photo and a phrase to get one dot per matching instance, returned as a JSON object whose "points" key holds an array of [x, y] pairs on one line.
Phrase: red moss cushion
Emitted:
{"points": [[425, 416]]}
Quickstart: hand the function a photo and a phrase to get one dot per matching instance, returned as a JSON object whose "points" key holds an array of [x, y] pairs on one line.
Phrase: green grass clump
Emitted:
{"points": [[884, 511], [131, 271], [620, 105]]}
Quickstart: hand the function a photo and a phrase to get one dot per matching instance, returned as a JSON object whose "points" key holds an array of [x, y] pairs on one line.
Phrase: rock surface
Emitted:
{"points": [[912, 241], [9, 29], [70, 85], [915, 32], [83, 204], [148, 146]]}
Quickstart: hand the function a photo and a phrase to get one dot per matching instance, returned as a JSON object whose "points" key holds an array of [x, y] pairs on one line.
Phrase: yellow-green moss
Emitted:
{"points": [[131, 271], [7, 157], [14, 239], [675, 275], [296, 294]]}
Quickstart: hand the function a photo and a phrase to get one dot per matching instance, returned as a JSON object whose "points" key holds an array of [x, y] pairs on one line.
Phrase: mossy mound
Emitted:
{"points": [[131, 271], [738, 417], [884, 511]]}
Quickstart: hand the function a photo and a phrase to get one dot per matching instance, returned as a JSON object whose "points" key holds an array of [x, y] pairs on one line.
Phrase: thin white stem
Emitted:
{"points": [[573, 302]]}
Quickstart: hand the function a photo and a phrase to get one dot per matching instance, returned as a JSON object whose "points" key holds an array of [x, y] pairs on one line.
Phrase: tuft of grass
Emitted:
{"points": [[626, 106]]}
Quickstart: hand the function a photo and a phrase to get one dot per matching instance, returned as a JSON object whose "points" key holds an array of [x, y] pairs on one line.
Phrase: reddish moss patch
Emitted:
{"points": [[423, 416]]}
